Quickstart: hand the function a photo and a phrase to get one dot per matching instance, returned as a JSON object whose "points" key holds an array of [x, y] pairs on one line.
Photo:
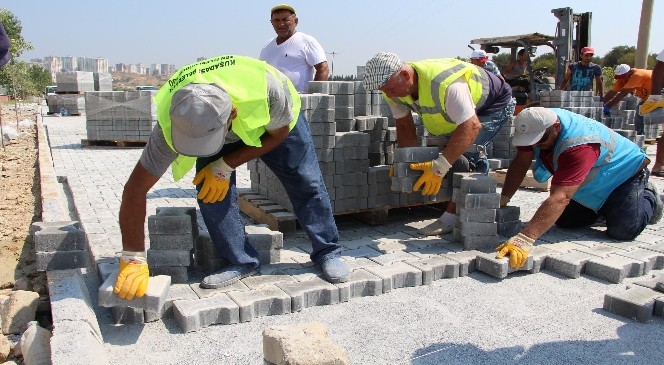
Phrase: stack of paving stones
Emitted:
{"points": [[120, 115], [477, 201], [579, 102], [352, 150], [75, 82], [172, 233], [74, 104], [641, 301], [103, 81], [59, 245], [501, 150], [508, 220], [404, 177]]}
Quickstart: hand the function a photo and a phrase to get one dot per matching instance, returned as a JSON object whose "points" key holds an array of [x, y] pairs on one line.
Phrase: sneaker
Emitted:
{"points": [[335, 271], [435, 228], [228, 275], [659, 206]]}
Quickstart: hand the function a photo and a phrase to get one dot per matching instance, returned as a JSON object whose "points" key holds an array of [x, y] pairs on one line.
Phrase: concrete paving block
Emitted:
{"points": [[258, 281], [480, 201], [614, 269], [206, 293], [181, 241], [658, 310], [265, 301], [570, 264], [178, 274], [263, 238], [127, 315], [153, 300], [169, 224], [499, 268], [61, 260], [599, 249], [73, 344], [38, 226], [653, 259], [362, 252], [480, 243], [508, 214], [477, 184], [388, 246], [176, 292], [397, 275], [70, 299], [478, 229], [466, 260], [436, 268], [106, 267], [649, 283], [637, 303], [415, 154], [659, 247], [539, 255], [477, 215], [310, 293], [169, 258], [192, 315], [301, 343], [269, 256], [563, 247], [65, 238], [360, 283], [393, 257], [359, 263]]}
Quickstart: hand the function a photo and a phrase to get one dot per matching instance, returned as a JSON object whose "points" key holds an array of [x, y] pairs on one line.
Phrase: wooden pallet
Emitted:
{"points": [[528, 180], [278, 218], [69, 115], [69, 92], [111, 143]]}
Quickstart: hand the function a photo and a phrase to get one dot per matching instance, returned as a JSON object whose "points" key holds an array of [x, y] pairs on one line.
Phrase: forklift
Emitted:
{"points": [[572, 34]]}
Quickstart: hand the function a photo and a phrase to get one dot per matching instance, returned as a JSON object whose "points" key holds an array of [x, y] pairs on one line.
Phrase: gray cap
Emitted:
{"points": [[199, 114], [380, 68], [530, 125]]}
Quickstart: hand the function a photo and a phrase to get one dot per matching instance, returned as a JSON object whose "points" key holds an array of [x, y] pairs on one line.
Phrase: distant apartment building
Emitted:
{"points": [[55, 64]]}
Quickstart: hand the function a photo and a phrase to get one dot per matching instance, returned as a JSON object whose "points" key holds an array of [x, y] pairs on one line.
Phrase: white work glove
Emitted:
{"points": [[216, 177]]}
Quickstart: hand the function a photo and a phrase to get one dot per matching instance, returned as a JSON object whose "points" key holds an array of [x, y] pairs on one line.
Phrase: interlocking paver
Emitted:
{"points": [[268, 300]]}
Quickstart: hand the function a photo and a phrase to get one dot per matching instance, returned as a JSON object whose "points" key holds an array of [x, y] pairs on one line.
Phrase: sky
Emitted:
{"points": [[178, 32]]}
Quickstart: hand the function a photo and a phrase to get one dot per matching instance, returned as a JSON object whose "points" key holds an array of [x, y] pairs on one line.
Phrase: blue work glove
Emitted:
{"points": [[607, 111]]}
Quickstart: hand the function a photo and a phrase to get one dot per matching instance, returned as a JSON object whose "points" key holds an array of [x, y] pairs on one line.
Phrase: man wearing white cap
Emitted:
{"points": [[218, 114], [580, 75], [629, 80], [298, 55], [453, 98], [479, 58], [594, 172]]}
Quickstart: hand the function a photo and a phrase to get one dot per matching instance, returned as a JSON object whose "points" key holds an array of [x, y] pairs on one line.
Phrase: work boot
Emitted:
{"points": [[436, 227], [335, 271], [658, 209], [228, 275]]}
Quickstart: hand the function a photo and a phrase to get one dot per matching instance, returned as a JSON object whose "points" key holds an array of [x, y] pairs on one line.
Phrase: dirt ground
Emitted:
{"points": [[20, 202]]}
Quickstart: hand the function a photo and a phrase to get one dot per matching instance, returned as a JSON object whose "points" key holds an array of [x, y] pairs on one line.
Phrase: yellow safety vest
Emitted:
{"points": [[433, 78], [245, 81]]}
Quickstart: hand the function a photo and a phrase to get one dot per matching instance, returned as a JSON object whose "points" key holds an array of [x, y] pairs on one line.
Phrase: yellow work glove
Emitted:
{"points": [[432, 175], [517, 248], [133, 275], [504, 200], [216, 179], [653, 102]]}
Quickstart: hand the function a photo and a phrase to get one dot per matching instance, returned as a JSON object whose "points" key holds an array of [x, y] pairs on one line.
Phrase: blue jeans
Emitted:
{"points": [[491, 125], [294, 162], [627, 210]]}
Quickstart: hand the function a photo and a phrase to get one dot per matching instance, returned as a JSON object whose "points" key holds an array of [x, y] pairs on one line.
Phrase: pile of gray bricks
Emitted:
{"points": [[641, 301], [75, 81], [120, 115], [103, 81], [172, 232], [59, 245], [475, 222], [74, 104]]}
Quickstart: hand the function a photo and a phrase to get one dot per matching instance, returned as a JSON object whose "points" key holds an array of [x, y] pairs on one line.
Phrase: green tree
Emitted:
{"points": [[548, 61], [501, 60], [612, 59], [40, 78]]}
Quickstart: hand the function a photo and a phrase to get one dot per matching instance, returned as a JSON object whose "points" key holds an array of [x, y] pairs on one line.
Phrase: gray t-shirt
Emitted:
{"points": [[157, 155]]}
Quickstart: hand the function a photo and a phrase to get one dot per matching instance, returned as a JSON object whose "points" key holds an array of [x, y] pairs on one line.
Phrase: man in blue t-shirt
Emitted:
{"points": [[580, 74]]}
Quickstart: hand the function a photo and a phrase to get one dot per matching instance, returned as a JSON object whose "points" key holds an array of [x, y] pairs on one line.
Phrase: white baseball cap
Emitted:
{"points": [[621, 70], [530, 125], [379, 69], [478, 54], [199, 115]]}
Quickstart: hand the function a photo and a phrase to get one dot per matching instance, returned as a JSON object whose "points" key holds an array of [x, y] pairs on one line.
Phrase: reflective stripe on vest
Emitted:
{"points": [[434, 77], [245, 81]]}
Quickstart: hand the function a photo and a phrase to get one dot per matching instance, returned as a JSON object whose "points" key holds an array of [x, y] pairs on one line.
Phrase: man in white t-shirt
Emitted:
{"points": [[299, 56]]}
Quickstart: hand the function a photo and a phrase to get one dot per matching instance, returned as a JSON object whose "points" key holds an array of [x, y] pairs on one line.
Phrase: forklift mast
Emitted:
{"points": [[572, 34]]}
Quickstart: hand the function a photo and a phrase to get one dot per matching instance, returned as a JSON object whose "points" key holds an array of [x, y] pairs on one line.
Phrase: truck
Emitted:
{"points": [[572, 34]]}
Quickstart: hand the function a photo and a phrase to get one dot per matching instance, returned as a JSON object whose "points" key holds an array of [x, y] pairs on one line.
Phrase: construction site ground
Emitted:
{"points": [[541, 318]]}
